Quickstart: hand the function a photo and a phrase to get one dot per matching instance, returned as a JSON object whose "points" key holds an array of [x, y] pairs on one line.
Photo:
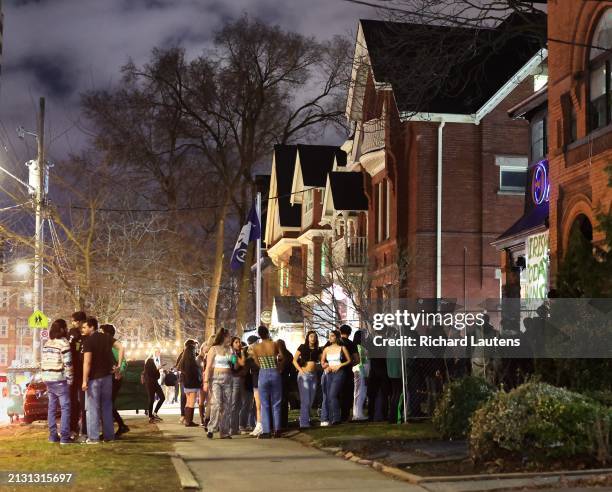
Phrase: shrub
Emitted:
{"points": [[458, 402], [539, 422]]}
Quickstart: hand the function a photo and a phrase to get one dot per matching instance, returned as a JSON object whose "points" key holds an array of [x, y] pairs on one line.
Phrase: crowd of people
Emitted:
{"points": [[245, 388], [82, 367], [237, 387]]}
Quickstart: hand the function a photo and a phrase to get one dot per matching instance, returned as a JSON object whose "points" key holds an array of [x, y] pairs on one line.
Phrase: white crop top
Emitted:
{"points": [[333, 358]]}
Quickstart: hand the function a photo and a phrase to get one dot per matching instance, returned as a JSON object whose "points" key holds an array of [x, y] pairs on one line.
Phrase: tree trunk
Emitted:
{"points": [[242, 311], [176, 311], [217, 272]]}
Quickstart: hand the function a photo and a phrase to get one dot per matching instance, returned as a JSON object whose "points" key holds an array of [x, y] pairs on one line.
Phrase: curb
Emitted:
{"points": [[412, 478], [186, 478]]}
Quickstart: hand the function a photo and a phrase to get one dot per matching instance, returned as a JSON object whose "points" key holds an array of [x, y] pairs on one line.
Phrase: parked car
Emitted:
{"points": [[36, 402]]}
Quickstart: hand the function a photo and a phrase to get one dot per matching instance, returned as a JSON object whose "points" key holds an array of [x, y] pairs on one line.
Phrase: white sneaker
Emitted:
{"points": [[257, 430], [324, 424]]}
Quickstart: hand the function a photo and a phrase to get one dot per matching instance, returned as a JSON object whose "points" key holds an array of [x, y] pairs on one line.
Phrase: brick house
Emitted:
{"points": [[444, 176], [579, 119]]}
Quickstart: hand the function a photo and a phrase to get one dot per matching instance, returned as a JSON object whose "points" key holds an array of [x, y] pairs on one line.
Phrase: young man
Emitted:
{"points": [[98, 382], [56, 365], [348, 383], [77, 395]]}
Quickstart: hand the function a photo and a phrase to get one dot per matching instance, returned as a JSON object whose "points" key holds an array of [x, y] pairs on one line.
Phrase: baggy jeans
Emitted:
{"points": [[100, 398], [271, 394], [307, 386], [59, 394], [331, 386], [237, 383], [360, 394], [221, 407]]}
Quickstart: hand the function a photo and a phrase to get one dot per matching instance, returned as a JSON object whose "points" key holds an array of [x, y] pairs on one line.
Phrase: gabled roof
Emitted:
{"points": [[284, 159], [396, 49], [347, 191], [316, 161]]}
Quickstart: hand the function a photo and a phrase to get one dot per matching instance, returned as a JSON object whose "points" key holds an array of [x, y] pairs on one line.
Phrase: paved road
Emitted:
{"points": [[257, 465]]}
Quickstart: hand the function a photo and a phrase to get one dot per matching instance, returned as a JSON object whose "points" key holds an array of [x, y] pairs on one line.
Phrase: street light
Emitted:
{"points": [[22, 268]]}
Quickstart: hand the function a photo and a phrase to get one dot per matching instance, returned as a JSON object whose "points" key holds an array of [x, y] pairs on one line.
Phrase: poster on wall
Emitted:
{"points": [[536, 286]]}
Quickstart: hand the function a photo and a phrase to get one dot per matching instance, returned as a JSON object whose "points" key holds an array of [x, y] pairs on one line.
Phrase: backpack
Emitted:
{"points": [[170, 379]]}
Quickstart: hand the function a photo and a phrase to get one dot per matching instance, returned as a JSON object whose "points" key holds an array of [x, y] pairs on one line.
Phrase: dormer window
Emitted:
{"points": [[600, 75], [308, 200]]}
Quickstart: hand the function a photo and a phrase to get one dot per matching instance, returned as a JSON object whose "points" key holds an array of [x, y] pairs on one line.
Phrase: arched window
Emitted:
{"points": [[600, 81]]}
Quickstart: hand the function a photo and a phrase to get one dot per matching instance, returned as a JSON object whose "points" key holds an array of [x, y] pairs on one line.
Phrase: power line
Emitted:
{"points": [[166, 210]]}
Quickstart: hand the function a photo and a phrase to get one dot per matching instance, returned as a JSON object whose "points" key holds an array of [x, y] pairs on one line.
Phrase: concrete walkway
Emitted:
{"points": [[257, 465]]}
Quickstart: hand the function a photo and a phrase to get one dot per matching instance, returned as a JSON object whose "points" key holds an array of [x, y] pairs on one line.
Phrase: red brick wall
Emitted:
{"points": [[473, 213], [578, 181]]}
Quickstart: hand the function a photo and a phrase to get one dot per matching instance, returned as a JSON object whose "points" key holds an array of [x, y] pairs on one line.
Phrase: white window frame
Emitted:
{"points": [[4, 327], [511, 164]]}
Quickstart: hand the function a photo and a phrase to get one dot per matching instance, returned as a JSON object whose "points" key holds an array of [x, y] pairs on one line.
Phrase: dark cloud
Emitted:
{"points": [[60, 48]]}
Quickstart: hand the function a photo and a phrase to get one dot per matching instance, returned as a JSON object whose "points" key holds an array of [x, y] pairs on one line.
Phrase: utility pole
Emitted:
{"points": [[39, 200]]}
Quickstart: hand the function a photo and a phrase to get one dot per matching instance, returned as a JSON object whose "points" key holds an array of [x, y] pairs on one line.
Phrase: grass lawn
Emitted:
{"points": [[118, 466], [337, 435]]}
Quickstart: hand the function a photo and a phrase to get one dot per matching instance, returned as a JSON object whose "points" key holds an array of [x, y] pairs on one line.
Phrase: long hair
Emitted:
{"points": [[220, 336], [316, 344], [58, 329], [282, 347]]}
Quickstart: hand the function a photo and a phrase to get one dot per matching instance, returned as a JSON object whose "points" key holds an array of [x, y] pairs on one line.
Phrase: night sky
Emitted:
{"points": [[59, 48]]}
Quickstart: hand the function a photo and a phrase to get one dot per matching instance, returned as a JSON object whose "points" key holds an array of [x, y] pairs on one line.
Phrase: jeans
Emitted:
{"points": [[360, 394], [100, 397], [59, 392], [221, 407], [307, 386], [331, 385], [236, 401], [153, 390], [271, 394], [83, 410], [247, 407]]}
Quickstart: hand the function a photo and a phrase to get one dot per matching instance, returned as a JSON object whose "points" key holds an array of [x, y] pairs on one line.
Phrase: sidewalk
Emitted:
{"points": [[244, 463]]}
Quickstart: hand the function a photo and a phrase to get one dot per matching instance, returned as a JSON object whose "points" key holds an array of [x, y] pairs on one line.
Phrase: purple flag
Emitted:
{"points": [[251, 231]]}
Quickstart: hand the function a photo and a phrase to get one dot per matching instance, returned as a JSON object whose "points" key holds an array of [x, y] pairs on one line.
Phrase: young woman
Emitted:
{"points": [[360, 373], [218, 380], [333, 359], [56, 365], [151, 381], [269, 358], [306, 359], [239, 371], [191, 378]]}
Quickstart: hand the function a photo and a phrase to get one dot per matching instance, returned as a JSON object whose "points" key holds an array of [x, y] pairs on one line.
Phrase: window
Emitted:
{"points": [[22, 328], [4, 298], [308, 200], [3, 355], [4, 327], [539, 144], [383, 210], [25, 300], [324, 255], [512, 179], [600, 74]]}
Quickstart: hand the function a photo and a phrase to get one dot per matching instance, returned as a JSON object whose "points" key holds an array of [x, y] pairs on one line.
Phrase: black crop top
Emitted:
{"points": [[308, 355]]}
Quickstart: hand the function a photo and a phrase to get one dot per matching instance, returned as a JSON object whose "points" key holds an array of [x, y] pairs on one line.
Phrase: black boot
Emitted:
{"points": [[189, 417]]}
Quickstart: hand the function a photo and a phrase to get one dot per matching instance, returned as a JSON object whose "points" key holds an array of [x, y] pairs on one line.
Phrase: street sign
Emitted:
{"points": [[44, 335], [266, 316], [38, 320]]}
